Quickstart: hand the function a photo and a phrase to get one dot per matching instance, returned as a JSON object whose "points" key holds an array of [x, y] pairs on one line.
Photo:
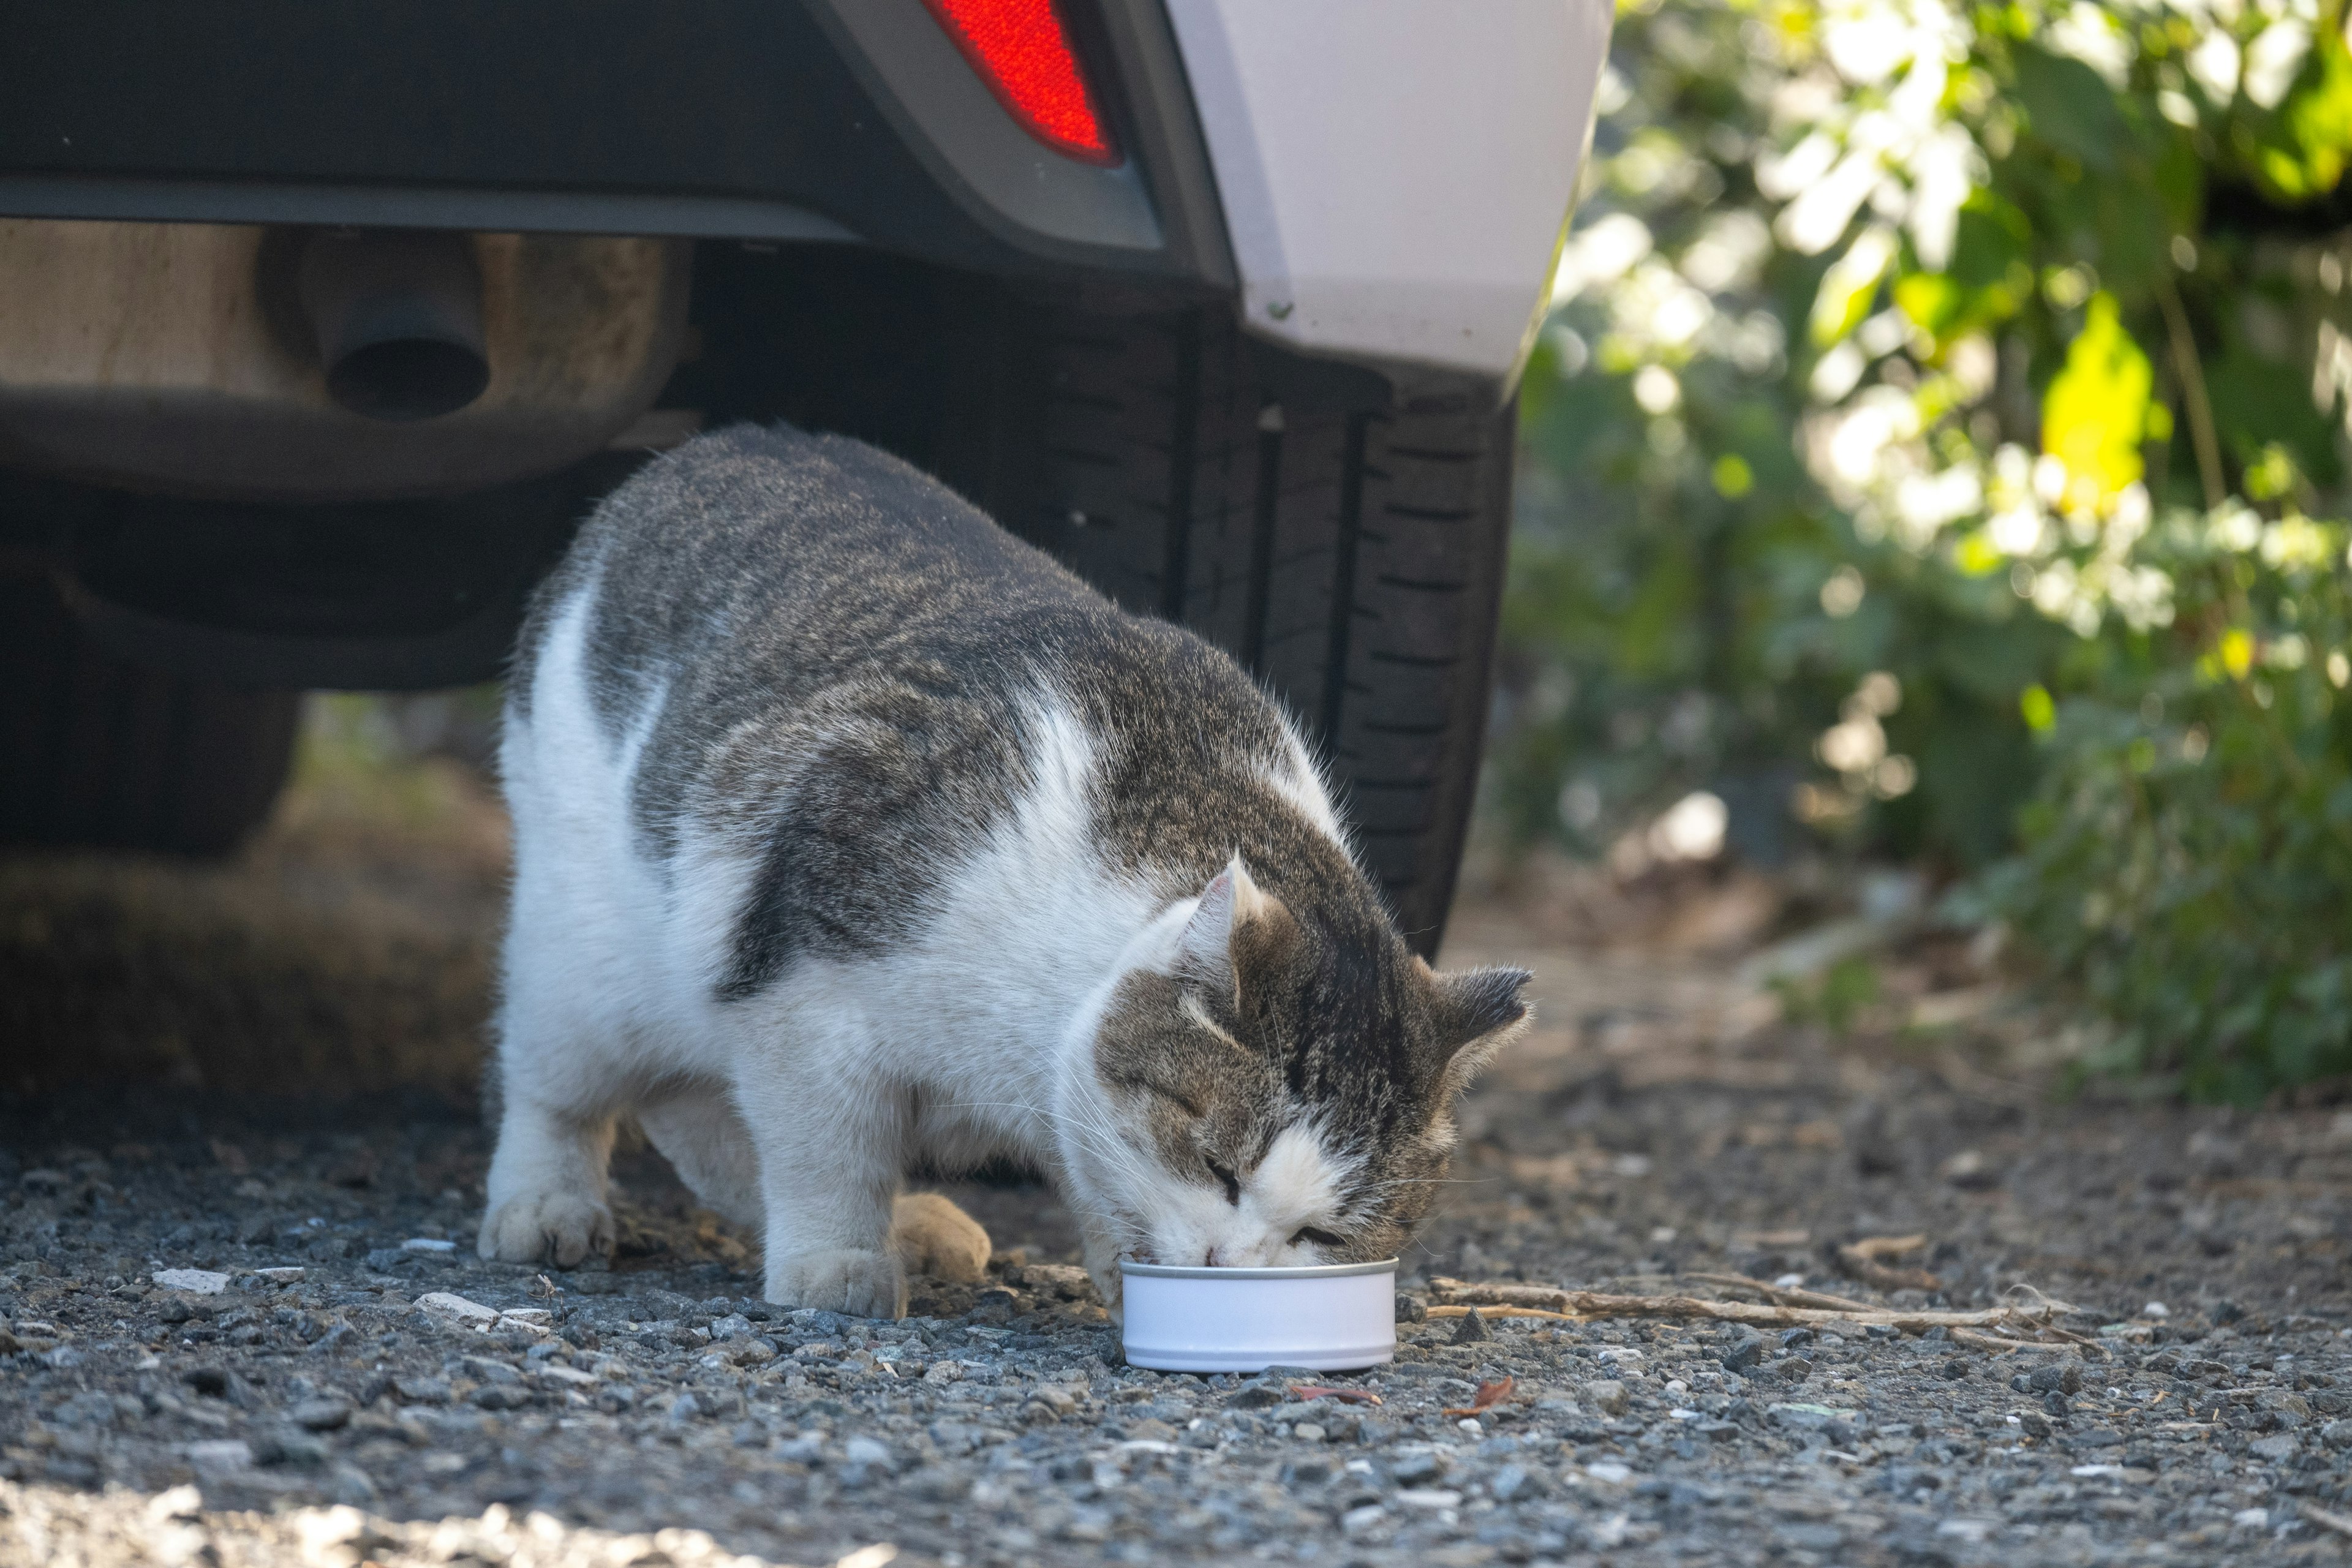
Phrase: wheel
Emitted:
{"points": [[103, 752], [1350, 559]]}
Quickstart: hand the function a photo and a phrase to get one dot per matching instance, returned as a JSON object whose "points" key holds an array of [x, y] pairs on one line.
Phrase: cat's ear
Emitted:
{"points": [[1231, 909], [1475, 1012]]}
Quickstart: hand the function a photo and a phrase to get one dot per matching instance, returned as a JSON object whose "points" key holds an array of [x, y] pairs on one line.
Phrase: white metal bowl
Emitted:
{"points": [[1335, 1317]]}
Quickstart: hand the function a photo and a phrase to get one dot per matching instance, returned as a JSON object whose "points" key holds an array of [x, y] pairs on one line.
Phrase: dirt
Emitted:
{"points": [[270, 1064]]}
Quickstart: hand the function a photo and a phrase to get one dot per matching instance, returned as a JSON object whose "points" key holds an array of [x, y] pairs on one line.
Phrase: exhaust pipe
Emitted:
{"points": [[398, 318]]}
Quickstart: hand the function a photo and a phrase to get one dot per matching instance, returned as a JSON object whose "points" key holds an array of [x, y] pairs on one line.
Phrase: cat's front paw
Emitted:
{"points": [[933, 1237], [562, 1229], [857, 1284]]}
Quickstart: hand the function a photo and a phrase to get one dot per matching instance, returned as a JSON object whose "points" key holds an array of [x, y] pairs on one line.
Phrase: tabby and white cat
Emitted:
{"points": [[853, 834]]}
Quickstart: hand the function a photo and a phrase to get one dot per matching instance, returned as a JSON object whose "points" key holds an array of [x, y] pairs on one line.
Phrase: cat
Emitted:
{"points": [[851, 834]]}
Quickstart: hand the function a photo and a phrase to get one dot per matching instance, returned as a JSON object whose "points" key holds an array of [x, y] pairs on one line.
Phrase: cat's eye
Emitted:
{"points": [[1233, 1182], [1307, 1233]]}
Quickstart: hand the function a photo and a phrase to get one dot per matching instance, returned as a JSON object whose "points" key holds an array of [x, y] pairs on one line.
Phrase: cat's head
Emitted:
{"points": [[1275, 1086]]}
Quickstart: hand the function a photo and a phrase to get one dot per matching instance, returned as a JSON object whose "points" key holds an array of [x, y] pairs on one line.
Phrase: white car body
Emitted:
{"points": [[1396, 174]]}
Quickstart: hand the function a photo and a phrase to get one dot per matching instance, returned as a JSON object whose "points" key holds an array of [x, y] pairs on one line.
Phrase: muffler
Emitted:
{"points": [[397, 317]]}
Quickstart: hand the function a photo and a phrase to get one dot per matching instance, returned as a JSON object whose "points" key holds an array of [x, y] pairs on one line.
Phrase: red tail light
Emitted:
{"points": [[1022, 52]]}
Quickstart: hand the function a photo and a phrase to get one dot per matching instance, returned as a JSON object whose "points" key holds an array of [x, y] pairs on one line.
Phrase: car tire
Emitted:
{"points": [[1352, 558], [103, 752]]}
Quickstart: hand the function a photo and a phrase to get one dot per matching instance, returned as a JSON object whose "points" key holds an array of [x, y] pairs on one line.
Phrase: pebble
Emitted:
{"points": [[321, 1414], [999, 1425], [194, 1281], [446, 1304]]}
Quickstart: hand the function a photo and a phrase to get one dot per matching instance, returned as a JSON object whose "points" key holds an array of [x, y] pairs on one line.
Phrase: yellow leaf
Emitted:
{"points": [[2237, 652], [2094, 415], [1977, 556], [1733, 477]]}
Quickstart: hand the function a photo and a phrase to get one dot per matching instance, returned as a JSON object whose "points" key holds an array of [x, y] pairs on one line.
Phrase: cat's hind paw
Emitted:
{"points": [[933, 1237], [562, 1229], [857, 1284]]}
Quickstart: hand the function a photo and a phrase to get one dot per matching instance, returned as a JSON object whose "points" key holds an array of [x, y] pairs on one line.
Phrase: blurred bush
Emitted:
{"points": [[1939, 449]]}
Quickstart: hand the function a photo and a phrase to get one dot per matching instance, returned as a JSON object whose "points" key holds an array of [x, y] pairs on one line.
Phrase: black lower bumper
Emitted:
{"points": [[746, 119]]}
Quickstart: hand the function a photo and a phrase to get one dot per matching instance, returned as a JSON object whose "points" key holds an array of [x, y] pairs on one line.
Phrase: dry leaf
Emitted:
{"points": [[1489, 1395], [1309, 1391]]}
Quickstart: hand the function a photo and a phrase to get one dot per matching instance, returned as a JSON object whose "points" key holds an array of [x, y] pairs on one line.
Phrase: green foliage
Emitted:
{"points": [[1937, 452], [1835, 999]]}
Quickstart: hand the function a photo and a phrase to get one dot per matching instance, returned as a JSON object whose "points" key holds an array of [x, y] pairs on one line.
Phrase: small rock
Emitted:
{"points": [[2277, 1448], [1608, 1396], [220, 1454], [1744, 1354], [2034, 1423], [1047, 1405], [1065, 1280], [868, 1451], [180, 1502], [325, 1413], [1411, 1309], [194, 1281], [421, 1390], [455, 1309], [2336, 1433], [1471, 1329], [429, 1244], [350, 1487], [501, 1396], [1809, 1417], [1254, 1396], [289, 1446], [2066, 1376], [1513, 1482], [1416, 1466]]}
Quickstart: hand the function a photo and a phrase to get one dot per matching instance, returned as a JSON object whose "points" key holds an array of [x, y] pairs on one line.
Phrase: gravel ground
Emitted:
{"points": [[243, 1330]]}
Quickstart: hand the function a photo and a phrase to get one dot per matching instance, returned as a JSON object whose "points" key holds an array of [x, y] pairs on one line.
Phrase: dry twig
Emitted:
{"points": [[1782, 1298], [2037, 1315], [2326, 1519], [1494, 1312], [1862, 1260]]}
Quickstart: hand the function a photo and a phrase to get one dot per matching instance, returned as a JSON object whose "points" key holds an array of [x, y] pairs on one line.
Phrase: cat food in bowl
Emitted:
{"points": [[1334, 1317]]}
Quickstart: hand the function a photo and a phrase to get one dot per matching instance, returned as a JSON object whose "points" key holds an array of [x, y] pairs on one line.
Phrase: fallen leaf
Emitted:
{"points": [[1489, 1395], [1308, 1391]]}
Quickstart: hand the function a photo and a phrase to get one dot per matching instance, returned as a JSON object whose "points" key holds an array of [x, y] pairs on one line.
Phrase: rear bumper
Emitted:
{"points": [[1383, 182], [764, 120]]}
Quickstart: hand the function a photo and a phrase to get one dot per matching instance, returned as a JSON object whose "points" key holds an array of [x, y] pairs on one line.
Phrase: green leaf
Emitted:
{"points": [[2068, 106]]}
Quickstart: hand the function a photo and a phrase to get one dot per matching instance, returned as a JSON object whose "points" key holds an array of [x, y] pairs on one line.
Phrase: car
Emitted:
{"points": [[327, 325]]}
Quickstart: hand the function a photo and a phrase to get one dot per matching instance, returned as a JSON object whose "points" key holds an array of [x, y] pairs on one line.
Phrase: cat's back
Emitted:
{"points": [[781, 562], [849, 679]]}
